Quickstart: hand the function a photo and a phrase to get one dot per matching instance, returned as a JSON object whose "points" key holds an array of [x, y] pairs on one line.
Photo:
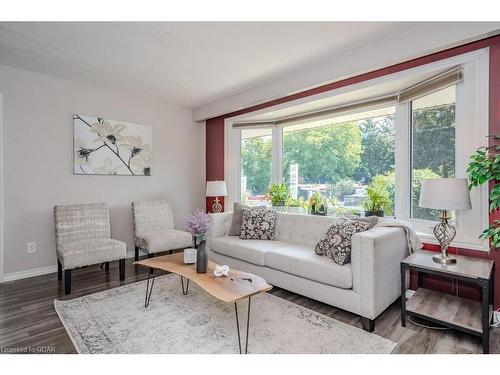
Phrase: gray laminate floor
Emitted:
{"points": [[28, 318]]}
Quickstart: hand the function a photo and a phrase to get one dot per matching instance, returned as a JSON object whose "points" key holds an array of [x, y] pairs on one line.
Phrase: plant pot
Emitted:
{"points": [[379, 213], [201, 258], [279, 207], [320, 211], [296, 210]]}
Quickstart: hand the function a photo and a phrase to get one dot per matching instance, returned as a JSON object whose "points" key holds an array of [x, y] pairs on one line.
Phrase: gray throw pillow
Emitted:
{"points": [[237, 212], [336, 242], [258, 224]]}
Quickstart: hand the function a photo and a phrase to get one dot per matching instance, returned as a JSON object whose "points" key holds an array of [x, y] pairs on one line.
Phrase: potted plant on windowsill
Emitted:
{"points": [[296, 206], [318, 205], [279, 195], [377, 202]]}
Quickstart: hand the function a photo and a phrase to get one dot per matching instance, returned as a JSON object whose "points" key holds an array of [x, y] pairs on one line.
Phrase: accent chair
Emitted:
{"points": [[154, 228], [83, 238]]}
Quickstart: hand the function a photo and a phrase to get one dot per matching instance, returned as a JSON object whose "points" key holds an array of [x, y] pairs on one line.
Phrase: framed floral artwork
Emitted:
{"points": [[110, 147]]}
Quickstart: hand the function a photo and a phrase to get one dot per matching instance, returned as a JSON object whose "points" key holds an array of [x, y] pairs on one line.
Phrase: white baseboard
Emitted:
{"points": [[29, 273], [40, 271]]}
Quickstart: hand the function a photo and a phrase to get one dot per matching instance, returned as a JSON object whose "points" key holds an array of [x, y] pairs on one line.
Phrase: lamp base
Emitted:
{"points": [[216, 206], [445, 233], [444, 259]]}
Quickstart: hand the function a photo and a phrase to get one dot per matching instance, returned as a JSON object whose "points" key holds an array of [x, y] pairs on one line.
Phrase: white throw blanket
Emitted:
{"points": [[412, 239]]}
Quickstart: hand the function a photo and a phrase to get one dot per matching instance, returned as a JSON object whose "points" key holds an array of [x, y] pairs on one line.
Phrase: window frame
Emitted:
{"points": [[472, 103]]}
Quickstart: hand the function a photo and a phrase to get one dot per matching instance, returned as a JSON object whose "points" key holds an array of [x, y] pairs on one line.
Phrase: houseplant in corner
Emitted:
{"points": [[377, 202], [197, 224], [279, 195], [484, 168]]}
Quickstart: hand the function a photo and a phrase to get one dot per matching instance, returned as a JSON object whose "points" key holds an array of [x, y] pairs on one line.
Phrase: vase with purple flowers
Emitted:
{"points": [[197, 224]]}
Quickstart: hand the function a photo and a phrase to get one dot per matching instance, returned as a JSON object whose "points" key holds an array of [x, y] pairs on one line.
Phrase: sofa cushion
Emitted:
{"points": [[90, 251], [336, 241], [163, 240], [238, 208], [301, 261], [258, 224], [251, 251], [301, 229]]}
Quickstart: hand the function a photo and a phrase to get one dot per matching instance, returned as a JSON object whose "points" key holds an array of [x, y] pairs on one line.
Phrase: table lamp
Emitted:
{"points": [[216, 189], [445, 194]]}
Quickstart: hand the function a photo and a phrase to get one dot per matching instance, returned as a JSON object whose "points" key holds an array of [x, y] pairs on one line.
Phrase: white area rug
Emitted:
{"points": [[115, 321]]}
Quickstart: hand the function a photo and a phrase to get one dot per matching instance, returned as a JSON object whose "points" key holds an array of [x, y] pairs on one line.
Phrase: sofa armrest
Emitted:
{"points": [[219, 225], [376, 257]]}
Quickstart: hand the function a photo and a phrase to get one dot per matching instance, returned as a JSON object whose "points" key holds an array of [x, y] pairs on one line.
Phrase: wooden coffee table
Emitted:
{"points": [[235, 287]]}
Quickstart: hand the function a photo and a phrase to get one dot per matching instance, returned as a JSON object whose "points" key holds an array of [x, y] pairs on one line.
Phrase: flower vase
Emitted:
{"points": [[201, 258]]}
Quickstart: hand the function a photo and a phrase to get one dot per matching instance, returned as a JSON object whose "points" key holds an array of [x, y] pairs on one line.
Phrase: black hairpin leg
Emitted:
{"points": [[184, 292], [148, 289], [238, 326]]}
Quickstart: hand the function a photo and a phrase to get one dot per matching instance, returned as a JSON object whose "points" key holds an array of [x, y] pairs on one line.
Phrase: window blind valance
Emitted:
{"points": [[428, 86], [431, 85]]}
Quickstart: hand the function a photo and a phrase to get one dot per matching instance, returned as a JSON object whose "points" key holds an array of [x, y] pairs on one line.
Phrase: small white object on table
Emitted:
{"points": [[190, 256], [221, 271]]}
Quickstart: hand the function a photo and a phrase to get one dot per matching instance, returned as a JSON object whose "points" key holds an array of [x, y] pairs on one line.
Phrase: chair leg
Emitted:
{"points": [[122, 269], [106, 266], [59, 270], [67, 281], [136, 253]]}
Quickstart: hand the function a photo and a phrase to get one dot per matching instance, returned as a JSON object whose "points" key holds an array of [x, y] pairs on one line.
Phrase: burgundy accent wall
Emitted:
{"points": [[215, 144], [214, 154]]}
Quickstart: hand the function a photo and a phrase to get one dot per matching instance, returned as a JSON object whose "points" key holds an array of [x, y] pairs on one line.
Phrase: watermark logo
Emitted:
{"points": [[27, 349]]}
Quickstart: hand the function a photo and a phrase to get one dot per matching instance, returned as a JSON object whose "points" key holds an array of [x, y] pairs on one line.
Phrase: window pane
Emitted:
{"points": [[433, 143], [256, 147], [339, 158]]}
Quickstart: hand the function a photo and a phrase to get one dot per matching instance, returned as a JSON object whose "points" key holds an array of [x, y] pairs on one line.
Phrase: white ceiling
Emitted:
{"points": [[189, 64]]}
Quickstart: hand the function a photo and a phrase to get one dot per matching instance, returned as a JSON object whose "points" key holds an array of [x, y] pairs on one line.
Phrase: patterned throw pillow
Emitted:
{"points": [[258, 224], [237, 217], [336, 242]]}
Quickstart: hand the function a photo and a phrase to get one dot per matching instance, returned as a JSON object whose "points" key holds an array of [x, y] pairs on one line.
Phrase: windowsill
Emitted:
{"points": [[430, 239], [424, 228]]}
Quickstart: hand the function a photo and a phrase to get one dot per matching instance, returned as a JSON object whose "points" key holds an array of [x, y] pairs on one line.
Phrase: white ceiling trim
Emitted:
{"points": [[415, 43]]}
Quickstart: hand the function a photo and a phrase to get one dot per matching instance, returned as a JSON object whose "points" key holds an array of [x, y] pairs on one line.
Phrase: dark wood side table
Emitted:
{"points": [[465, 315]]}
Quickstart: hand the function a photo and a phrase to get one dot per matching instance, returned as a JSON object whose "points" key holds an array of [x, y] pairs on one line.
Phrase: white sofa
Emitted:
{"points": [[366, 286]]}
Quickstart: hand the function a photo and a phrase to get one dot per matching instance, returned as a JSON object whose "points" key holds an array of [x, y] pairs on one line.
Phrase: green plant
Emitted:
{"points": [[278, 194], [484, 167], [317, 203], [377, 199], [300, 202]]}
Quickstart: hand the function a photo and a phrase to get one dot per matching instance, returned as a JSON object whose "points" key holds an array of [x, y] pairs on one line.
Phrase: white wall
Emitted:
{"points": [[38, 156]]}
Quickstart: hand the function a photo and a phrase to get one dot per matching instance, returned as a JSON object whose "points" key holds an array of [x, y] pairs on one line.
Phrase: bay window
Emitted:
{"points": [[427, 130], [432, 143], [339, 157], [256, 165]]}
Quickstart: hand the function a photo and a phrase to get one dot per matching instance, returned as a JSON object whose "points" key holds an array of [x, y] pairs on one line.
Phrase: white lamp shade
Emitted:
{"points": [[216, 189], [445, 194]]}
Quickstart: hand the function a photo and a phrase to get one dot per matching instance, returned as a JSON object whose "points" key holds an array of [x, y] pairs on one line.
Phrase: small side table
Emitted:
{"points": [[464, 315]]}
